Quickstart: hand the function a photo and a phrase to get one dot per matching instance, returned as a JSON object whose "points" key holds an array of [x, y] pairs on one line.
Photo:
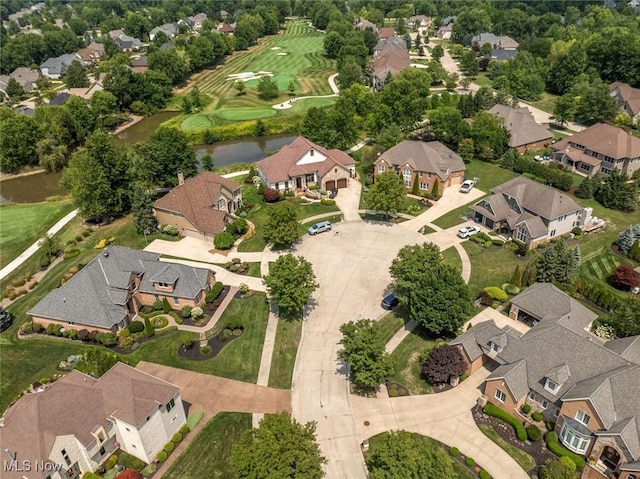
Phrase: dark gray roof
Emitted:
{"points": [[475, 341], [430, 157], [628, 348], [187, 281], [500, 54], [515, 377], [545, 301], [631, 466], [522, 128], [60, 99], [629, 431]]}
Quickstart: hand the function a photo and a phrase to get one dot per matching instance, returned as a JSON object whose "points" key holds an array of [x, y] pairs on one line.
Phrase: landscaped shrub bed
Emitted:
{"points": [[215, 292], [533, 433], [495, 411], [171, 445], [551, 439]]}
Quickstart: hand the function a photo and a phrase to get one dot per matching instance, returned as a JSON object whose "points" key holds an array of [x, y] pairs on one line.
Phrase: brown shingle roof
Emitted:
{"points": [[606, 139], [197, 198], [385, 33], [522, 128], [628, 94], [429, 157], [283, 165]]}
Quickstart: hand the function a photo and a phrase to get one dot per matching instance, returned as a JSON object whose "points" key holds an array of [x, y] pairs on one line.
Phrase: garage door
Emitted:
{"points": [[342, 183], [329, 185]]}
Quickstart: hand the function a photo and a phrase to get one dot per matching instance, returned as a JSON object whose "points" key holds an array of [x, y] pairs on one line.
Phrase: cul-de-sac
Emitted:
{"points": [[304, 239]]}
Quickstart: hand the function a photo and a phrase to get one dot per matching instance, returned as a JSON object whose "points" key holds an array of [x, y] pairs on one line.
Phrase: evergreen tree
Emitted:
{"points": [[587, 188]]}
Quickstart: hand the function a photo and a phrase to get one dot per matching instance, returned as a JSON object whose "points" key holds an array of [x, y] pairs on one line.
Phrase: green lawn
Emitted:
{"points": [[483, 80], [454, 217], [209, 454], [547, 102], [284, 353], [391, 323], [598, 268], [526, 461], [451, 257], [491, 267], [22, 224], [406, 361]]}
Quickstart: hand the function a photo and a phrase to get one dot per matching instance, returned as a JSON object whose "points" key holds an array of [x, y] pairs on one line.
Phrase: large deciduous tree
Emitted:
{"points": [[387, 194], [624, 277], [403, 454], [75, 76], [625, 319], [279, 447], [443, 363], [18, 137], [433, 292], [281, 227], [267, 88], [364, 352], [290, 284]]}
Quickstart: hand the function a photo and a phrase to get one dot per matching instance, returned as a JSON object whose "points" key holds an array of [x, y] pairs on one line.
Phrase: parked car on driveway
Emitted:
{"points": [[319, 227], [390, 301], [333, 193], [466, 186], [467, 231]]}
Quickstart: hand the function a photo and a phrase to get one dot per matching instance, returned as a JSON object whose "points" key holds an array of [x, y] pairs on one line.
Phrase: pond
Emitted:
{"points": [[247, 150], [144, 128], [31, 188]]}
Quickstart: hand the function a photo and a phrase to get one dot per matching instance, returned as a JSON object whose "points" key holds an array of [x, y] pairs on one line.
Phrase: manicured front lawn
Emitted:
{"points": [[454, 217], [491, 267], [547, 102], [284, 353], [391, 323], [451, 257], [526, 461], [598, 269], [406, 361], [22, 224], [488, 174], [209, 454]]}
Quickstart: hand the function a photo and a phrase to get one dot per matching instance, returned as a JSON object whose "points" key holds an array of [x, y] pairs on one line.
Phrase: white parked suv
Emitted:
{"points": [[466, 186], [319, 227], [467, 231]]}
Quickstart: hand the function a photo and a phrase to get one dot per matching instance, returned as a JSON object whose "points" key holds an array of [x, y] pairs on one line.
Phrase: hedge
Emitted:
{"points": [[551, 439], [533, 433], [536, 416], [216, 290], [495, 411], [454, 451], [526, 408], [169, 447], [184, 429], [223, 240], [176, 438]]}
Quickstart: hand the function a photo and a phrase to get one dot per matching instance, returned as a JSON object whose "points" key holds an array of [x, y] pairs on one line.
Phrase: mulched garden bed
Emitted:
{"points": [[537, 449], [208, 310], [400, 389], [216, 344]]}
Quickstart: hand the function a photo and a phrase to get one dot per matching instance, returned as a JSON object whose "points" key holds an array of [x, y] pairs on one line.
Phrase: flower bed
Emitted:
{"points": [[213, 346]]}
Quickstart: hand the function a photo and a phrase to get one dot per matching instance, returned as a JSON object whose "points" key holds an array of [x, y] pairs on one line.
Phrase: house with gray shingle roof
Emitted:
{"points": [[54, 68], [524, 133], [108, 292], [169, 29], [528, 211], [590, 389], [74, 425], [423, 163]]}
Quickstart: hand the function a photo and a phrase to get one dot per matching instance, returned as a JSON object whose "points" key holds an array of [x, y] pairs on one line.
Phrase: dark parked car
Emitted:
{"points": [[333, 193], [390, 301]]}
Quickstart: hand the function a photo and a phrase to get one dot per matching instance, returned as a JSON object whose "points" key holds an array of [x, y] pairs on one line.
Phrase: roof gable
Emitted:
{"points": [[429, 157]]}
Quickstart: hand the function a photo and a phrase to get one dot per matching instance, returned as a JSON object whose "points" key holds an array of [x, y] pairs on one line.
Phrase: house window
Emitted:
{"points": [[585, 167], [551, 386], [163, 285], [176, 300], [102, 451], [65, 456], [606, 171], [221, 203], [171, 404], [311, 152], [532, 396], [406, 172], [424, 186], [583, 417], [521, 235], [500, 396], [381, 168], [545, 403], [574, 441], [429, 175], [310, 178], [277, 186], [156, 297], [553, 233], [495, 347]]}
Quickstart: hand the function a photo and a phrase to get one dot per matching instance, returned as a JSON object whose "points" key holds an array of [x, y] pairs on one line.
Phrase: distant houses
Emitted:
{"points": [[55, 68], [419, 22], [503, 46], [627, 97], [390, 57], [169, 29]]}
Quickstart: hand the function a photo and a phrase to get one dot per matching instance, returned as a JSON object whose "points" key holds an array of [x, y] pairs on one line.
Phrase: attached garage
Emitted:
{"points": [[330, 184], [342, 183]]}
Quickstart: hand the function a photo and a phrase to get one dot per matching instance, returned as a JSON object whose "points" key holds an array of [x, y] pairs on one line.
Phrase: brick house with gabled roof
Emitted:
{"points": [[524, 133], [200, 206], [423, 163], [588, 388], [599, 149], [77, 422], [302, 164]]}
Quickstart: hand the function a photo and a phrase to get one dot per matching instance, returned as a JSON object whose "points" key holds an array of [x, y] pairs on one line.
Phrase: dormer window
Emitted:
{"points": [[496, 348], [551, 386], [163, 285]]}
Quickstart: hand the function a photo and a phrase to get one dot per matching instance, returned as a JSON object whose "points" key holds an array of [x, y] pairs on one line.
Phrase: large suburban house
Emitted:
{"points": [[628, 98], [76, 423], [500, 42], [599, 149], [303, 164], [524, 133], [108, 292], [419, 22], [169, 29], [588, 388], [199, 206], [528, 211], [390, 57], [26, 77], [55, 68], [423, 163], [363, 24], [124, 42], [445, 32], [92, 53]]}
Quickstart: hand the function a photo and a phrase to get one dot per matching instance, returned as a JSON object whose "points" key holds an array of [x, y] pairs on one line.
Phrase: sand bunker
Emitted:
{"points": [[276, 48], [248, 76], [281, 54]]}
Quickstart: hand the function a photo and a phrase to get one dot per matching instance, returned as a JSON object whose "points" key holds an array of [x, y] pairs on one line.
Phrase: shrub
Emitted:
{"points": [[166, 307], [510, 288], [238, 227], [86, 232], [536, 416], [244, 288], [495, 411], [27, 327], [526, 408], [149, 330], [44, 261], [132, 462], [176, 438], [108, 339], [325, 202], [270, 195], [454, 451], [551, 439], [495, 293], [216, 290], [223, 241], [72, 253], [205, 350], [550, 425], [470, 462], [90, 475], [126, 343], [162, 456], [487, 244], [157, 305], [83, 334], [54, 330], [186, 311], [533, 433], [197, 312], [112, 461], [125, 333], [136, 326], [171, 230], [184, 430], [236, 260], [497, 242], [169, 447], [234, 323], [442, 363], [484, 475]]}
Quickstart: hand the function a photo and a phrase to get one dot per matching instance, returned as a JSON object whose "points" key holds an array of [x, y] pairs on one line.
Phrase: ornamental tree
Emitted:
{"points": [[433, 292], [290, 284], [281, 227], [387, 194], [624, 277], [443, 363], [279, 447]]}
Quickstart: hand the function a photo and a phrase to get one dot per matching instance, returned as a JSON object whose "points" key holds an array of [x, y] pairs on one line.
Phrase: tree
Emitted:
{"points": [[587, 188], [407, 40], [292, 87], [387, 194], [469, 64], [556, 469], [389, 136], [349, 72], [267, 88], [558, 263], [207, 162], [465, 82], [433, 292], [19, 135], [564, 109], [75, 76], [142, 208], [51, 156], [333, 42], [437, 53], [50, 246], [625, 319], [624, 277], [486, 49], [279, 447], [628, 237], [489, 136], [401, 28], [290, 284], [169, 62], [443, 363], [614, 192], [240, 86], [281, 227], [364, 352], [466, 149], [403, 454], [593, 102], [448, 126], [14, 89]]}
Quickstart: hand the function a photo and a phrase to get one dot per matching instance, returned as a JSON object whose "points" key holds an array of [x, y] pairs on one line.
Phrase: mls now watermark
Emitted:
{"points": [[29, 466]]}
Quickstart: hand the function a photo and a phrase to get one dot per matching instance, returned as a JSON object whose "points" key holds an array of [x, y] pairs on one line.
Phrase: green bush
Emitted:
{"points": [[132, 462], [216, 290], [90, 475], [551, 439], [324, 202], [44, 261], [149, 330], [526, 408], [72, 253], [484, 475], [157, 305], [162, 456], [487, 244], [497, 242], [125, 333], [495, 293], [185, 312], [169, 447], [184, 430], [495, 411], [54, 330], [550, 425], [234, 323], [533, 433], [205, 350], [166, 307], [223, 241], [470, 462], [510, 288], [577, 231], [136, 327], [536, 416], [454, 451], [108, 339], [176, 438], [111, 462]]}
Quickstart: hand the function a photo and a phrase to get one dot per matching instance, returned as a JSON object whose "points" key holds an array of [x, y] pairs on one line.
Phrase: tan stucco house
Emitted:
{"points": [[590, 389], [423, 162], [302, 164], [199, 206], [107, 293], [77, 422]]}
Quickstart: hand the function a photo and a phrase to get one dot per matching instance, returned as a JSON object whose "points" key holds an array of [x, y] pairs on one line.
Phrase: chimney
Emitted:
{"points": [[180, 178]]}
